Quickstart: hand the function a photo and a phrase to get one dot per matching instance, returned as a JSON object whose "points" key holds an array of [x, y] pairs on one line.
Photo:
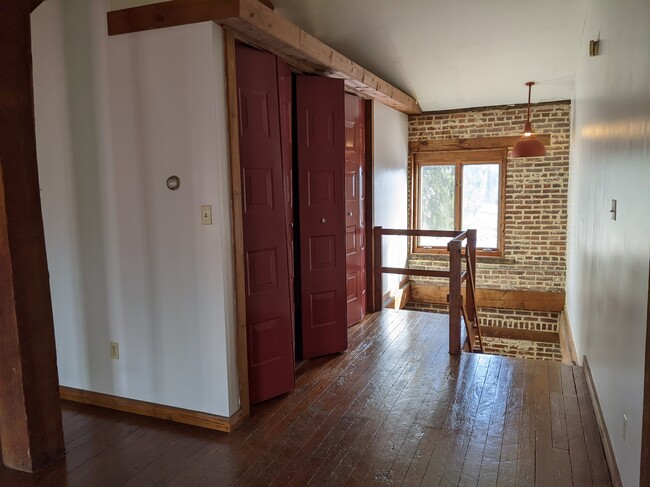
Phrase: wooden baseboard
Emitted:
{"points": [[169, 413], [602, 427], [568, 346]]}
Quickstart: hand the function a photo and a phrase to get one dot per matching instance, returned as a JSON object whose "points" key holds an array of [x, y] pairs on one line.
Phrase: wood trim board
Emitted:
{"points": [[568, 346], [142, 408], [255, 23], [494, 298], [237, 223], [519, 334], [645, 428], [473, 143], [602, 428]]}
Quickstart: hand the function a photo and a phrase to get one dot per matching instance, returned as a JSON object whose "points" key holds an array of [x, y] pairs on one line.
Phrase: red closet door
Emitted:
{"points": [[355, 227], [268, 309], [320, 144]]}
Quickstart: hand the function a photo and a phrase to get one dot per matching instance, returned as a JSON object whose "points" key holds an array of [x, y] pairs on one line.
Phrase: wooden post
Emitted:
{"points": [[377, 258], [31, 431], [455, 297], [470, 282]]}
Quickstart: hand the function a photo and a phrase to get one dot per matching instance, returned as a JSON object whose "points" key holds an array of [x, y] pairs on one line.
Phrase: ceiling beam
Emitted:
{"points": [[471, 143], [257, 24]]}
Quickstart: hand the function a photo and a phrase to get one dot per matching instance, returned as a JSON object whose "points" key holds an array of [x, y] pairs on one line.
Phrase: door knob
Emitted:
{"points": [[349, 213], [323, 220]]}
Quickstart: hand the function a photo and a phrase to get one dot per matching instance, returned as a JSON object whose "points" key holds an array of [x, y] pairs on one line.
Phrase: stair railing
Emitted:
{"points": [[459, 307]]}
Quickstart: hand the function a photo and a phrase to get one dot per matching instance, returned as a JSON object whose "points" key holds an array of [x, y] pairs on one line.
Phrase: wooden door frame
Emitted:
{"points": [[238, 217], [645, 431], [31, 427]]}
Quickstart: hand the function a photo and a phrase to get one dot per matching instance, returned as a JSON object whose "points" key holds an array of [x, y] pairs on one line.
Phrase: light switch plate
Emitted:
{"points": [[613, 210], [206, 215], [115, 350]]}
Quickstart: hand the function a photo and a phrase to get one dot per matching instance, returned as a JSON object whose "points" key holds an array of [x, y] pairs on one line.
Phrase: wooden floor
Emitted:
{"points": [[395, 409]]}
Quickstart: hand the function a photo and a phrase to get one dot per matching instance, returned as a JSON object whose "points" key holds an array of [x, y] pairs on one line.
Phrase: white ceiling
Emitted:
{"points": [[454, 53]]}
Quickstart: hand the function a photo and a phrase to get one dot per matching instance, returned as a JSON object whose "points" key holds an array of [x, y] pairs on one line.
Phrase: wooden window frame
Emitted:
{"points": [[458, 159]]}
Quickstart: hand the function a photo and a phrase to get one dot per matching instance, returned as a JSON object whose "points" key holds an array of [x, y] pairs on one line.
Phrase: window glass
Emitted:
{"points": [[436, 205], [480, 203]]}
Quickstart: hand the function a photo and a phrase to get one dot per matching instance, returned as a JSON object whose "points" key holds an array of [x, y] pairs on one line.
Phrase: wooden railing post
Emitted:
{"points": [[469, 285], [455, 297], [377, 259]]}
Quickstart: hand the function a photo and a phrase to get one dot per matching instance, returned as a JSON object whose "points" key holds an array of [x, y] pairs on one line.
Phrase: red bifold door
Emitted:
{"points": [[320, 148], [267, 267]]}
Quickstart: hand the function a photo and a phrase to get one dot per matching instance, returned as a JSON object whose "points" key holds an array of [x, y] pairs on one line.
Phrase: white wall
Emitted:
{"points": [[390, 185], [607, 276], [129, 259]]}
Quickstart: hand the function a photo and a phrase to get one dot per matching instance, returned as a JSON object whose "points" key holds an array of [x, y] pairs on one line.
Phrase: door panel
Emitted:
{"points": [[285, 97], [268, 307], [355, 159], [320, 148]]}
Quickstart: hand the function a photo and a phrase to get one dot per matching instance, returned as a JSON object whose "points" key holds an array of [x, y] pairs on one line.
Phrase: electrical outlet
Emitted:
{"points": [[624, 428], [206, 215], [115, 350]]}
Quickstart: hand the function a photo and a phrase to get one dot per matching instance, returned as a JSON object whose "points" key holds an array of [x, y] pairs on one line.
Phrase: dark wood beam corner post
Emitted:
{"points": [[455, 297], [470, 283], [378, 295], [31, 431], [645, 428]]}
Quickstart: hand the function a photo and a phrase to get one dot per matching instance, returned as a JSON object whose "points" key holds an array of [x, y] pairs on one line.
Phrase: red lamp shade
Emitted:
{"points": [[528, 145]]}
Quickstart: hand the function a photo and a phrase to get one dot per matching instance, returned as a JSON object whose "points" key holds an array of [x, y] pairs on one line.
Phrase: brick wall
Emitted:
{"points": [[536, 195]]}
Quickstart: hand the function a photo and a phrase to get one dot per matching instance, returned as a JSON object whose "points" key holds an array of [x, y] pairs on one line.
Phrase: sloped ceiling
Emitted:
{"points": [[454, 53]]}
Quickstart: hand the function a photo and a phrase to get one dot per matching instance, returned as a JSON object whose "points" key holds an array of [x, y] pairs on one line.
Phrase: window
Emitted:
{"points": [[458, 191]]}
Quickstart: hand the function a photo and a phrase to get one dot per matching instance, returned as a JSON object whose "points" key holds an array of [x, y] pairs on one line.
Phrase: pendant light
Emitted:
{"points": [[528, 145]]}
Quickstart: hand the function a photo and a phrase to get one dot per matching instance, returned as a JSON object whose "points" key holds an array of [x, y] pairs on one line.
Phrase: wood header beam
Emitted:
{"points": [[434, 145], [494, 298], [255, 23]]}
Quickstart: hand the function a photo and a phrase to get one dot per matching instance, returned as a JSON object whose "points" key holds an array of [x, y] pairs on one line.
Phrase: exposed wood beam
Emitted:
{"points": [[494, 298], [257, 24], [504, 142], [517, 334], [31, 430]]}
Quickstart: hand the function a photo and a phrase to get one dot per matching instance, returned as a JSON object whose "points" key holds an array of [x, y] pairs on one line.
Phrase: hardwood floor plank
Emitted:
{"points": [[462, 448], [562, 468], [595, 452], [320, 446], [489, 469], [507, 475], [471, 469], [580, 470], [395, 409], [453, 435], [526, 449], [402, 417], [544, 462], [319, 411], [331, 453], [380, 407], [434, 421], [558, 416]]}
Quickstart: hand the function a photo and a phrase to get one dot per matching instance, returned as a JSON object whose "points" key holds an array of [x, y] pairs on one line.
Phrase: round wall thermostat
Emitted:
{"points": [[173, 183]]}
